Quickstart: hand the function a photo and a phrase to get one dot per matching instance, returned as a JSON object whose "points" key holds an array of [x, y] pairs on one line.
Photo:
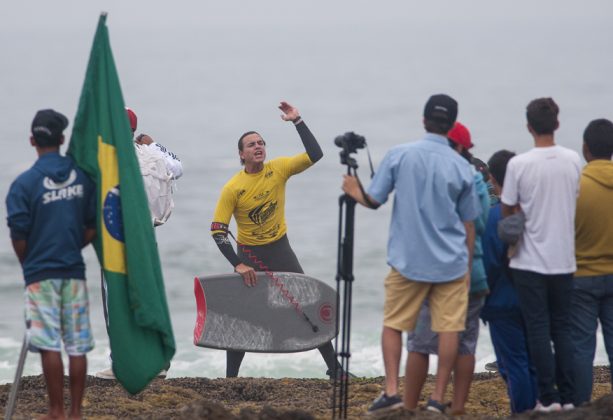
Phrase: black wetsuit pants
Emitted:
{"points": [[276, 256]]}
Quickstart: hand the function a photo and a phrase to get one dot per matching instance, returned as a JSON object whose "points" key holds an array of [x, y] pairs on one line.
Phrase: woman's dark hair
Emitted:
{"points": [[464, 153], [481, 167], [498, 165]]}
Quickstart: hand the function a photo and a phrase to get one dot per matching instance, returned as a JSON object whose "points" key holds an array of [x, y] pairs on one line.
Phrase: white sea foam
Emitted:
{"points": [[9, 343]]}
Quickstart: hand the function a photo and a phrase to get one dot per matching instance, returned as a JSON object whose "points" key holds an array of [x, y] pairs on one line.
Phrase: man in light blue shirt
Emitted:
{"points": [[429, 248]]}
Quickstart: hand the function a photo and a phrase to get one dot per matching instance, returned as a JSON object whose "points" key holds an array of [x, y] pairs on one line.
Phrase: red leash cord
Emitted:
{"points": [[276, 281]]}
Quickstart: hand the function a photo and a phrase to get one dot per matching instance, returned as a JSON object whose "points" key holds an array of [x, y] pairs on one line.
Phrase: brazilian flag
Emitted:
{"points": [[139, 327]]}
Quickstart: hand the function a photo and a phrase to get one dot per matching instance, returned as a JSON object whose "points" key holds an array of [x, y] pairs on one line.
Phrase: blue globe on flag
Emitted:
{"points": [[111, 212]]}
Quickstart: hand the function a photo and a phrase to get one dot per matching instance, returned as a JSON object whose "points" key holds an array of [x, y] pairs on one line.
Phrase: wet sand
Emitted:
{"points": [[263, 398]]}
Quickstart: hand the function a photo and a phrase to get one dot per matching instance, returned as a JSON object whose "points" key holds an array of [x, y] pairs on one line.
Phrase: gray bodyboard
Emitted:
{"points": [[283, 313]]}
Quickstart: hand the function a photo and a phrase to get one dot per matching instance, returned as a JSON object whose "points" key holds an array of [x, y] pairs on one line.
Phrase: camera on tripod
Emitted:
{"points": [[350, 142]]}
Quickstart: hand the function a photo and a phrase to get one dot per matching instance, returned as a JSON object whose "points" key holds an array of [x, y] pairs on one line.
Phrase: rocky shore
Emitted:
{"points": [[263, 398]]}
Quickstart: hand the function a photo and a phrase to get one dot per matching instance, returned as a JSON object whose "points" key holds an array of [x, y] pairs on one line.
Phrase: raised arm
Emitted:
{"points": [[172, 161], [308, 139]]}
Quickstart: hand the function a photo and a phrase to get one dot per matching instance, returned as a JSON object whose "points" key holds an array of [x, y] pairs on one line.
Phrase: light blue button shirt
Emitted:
{"points": [[434, 194]]}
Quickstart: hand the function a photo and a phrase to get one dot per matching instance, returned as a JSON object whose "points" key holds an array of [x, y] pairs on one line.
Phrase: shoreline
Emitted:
{"points": [[286, 398]]}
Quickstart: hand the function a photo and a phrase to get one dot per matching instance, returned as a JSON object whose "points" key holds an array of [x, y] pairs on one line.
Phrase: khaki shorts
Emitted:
{"points": [[424, 340], [404, 297]]}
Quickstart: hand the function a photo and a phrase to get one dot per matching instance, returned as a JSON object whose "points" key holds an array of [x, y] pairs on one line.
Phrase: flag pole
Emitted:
{"points": [[10, 406]]}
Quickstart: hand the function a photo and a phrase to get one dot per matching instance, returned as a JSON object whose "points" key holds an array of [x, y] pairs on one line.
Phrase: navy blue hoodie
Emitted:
{"points": [[502, 302], [49, 206]]}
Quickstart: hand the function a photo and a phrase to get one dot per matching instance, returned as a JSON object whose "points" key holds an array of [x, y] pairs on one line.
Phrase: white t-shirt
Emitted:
{"points": [[545, 183]]}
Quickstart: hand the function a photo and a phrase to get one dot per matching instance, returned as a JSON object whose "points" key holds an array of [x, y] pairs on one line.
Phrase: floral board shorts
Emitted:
{"points": [[58, 310]]}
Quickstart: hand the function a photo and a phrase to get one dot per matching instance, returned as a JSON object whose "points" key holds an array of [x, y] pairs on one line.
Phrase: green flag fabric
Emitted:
{"points": [[139, 327]]}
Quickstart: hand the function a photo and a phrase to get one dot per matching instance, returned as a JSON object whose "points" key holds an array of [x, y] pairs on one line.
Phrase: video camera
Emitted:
{"points": [[350, 142]]}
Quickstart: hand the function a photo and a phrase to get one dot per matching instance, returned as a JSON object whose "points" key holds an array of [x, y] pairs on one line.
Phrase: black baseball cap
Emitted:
{"points": [[48, 125], [442, 108]]}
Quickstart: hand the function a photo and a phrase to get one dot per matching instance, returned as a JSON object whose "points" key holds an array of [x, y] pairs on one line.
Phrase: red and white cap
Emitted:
{"points": [[132, 118], [459, 134]]}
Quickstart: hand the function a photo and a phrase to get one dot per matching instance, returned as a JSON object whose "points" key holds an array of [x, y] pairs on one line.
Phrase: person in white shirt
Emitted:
{"points": [[543, 183], [174, 168], [173, 163]]}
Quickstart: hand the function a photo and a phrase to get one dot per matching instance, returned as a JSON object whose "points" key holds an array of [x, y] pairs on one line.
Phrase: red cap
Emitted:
{"points": [[132, 118], [459, 134]]}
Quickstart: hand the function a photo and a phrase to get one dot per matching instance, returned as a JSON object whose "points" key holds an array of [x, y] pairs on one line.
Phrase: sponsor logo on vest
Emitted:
{"points": [[263, 212], [262, 195]]}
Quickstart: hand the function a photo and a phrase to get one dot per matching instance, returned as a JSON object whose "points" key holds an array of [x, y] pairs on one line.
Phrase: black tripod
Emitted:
{"points": [[344, 282]]}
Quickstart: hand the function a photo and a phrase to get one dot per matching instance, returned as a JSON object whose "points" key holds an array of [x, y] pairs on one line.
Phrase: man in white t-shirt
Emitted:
{"points": [[544, 184]]}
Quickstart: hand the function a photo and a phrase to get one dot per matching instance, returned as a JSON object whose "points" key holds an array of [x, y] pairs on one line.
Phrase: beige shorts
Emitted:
{"points": [[404, 297]]}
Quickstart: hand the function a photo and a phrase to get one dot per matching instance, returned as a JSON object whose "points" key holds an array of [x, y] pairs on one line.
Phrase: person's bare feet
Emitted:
{"points": [[75, 414], [52, 417]]}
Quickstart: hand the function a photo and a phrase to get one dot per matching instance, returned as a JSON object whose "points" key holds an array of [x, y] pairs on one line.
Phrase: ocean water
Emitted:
{"points": [[199, 73]]}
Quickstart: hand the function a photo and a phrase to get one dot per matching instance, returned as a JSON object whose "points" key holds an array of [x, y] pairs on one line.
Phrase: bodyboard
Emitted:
{"points": [[282, 313]]}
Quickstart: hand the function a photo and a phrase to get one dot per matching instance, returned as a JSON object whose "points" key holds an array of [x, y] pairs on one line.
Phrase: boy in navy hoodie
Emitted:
{"points": [[51, 212], [501, 310]]}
